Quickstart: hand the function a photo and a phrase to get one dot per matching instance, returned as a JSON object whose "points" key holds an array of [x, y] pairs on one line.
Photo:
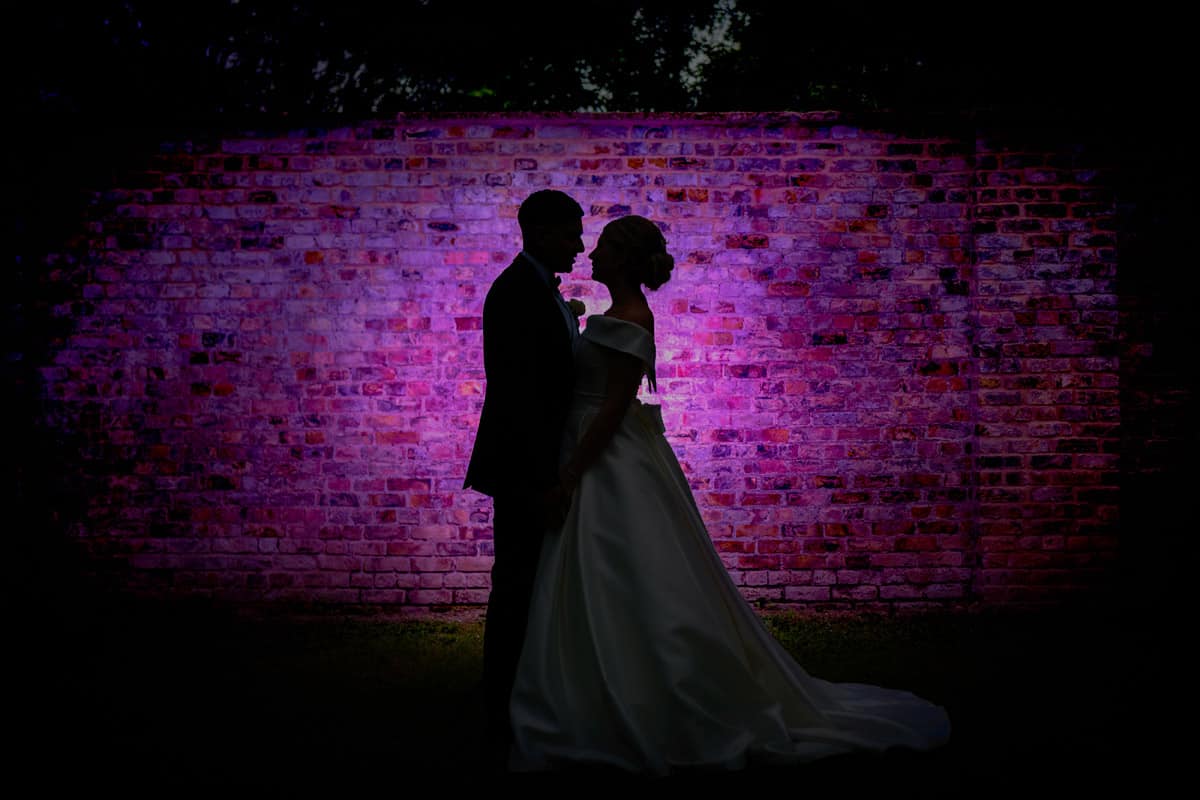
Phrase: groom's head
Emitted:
{"points": [[552, 228]]}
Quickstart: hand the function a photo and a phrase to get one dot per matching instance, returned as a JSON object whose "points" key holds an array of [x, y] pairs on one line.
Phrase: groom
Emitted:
{"points": [[528, 343]]}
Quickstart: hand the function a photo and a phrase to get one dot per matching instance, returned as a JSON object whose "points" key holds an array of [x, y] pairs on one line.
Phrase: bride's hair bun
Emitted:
{"points": [[643, 242], [658, 270]]}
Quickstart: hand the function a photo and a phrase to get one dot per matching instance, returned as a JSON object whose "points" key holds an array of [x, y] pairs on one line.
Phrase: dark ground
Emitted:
{"points": [[166, 699]]}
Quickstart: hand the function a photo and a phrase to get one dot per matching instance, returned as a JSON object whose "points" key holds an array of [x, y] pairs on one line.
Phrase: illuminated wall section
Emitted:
{"points": [[887, 358]]}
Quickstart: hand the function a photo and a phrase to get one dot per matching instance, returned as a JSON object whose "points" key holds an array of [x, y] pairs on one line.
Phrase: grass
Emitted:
{"points": [[178, 696]]}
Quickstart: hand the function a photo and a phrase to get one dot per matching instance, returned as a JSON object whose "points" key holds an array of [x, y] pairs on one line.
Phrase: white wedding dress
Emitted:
{"points": [[641, 654]]}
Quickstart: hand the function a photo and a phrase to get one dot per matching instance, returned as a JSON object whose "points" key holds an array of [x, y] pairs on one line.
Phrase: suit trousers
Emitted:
{"points": [[517, 524]]}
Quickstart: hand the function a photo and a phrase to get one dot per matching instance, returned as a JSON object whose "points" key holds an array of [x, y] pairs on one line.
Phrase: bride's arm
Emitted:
{"points": [[624, 376]]}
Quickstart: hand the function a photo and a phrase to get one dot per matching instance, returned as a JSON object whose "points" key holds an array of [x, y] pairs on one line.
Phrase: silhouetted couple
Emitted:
{"points": [[614, 636]]}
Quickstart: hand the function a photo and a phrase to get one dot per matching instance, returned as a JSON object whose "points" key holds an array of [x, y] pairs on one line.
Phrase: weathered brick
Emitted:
{"points": [[875, 353]]}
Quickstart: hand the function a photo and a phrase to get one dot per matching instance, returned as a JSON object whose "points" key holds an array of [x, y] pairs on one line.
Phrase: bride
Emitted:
{"points": [[641, 654]]}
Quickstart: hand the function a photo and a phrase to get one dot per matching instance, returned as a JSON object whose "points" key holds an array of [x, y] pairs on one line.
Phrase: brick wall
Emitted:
{"points": [[888, 354]]}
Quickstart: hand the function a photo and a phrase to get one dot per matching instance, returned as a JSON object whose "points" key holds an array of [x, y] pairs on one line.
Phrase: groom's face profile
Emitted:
{"points": [[557, 245]]}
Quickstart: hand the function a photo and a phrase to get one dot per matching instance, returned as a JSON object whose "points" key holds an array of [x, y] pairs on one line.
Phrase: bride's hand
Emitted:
{"points": [[568, 480], [556, 502]]}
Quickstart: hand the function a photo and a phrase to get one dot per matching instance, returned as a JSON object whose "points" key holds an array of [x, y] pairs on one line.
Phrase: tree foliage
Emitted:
{"points": [[307, 58]]}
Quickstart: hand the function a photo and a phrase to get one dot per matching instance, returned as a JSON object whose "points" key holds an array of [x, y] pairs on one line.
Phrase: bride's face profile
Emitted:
{"points": [[606, 260]]}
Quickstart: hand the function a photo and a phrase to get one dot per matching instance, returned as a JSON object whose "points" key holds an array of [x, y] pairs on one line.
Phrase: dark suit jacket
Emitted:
{"points": [[529, 364]]}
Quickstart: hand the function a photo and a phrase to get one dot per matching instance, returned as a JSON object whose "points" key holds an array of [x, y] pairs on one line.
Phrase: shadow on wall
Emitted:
{"points": [[1160, 438], [59, 167]]}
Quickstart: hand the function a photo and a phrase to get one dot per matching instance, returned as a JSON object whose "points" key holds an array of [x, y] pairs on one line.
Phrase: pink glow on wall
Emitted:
{"points": [[885, 358]]}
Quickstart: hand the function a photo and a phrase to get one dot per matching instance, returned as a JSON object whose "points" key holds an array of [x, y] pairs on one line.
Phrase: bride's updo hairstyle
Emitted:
{"points": [[644, 247]]}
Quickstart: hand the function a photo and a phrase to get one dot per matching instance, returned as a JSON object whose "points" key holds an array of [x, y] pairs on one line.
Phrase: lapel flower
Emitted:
{"points": [[577, 307]]}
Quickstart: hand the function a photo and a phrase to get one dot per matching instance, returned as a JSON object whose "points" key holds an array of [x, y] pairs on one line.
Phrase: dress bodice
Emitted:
{"points": [[609, 333]]}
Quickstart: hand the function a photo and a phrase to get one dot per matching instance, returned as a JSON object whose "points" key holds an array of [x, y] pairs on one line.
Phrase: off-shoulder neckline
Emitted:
{"points": [[618, 319]]}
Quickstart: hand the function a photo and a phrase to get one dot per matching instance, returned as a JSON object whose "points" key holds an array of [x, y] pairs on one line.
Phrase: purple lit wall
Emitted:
{"points": [[887, 357]]}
